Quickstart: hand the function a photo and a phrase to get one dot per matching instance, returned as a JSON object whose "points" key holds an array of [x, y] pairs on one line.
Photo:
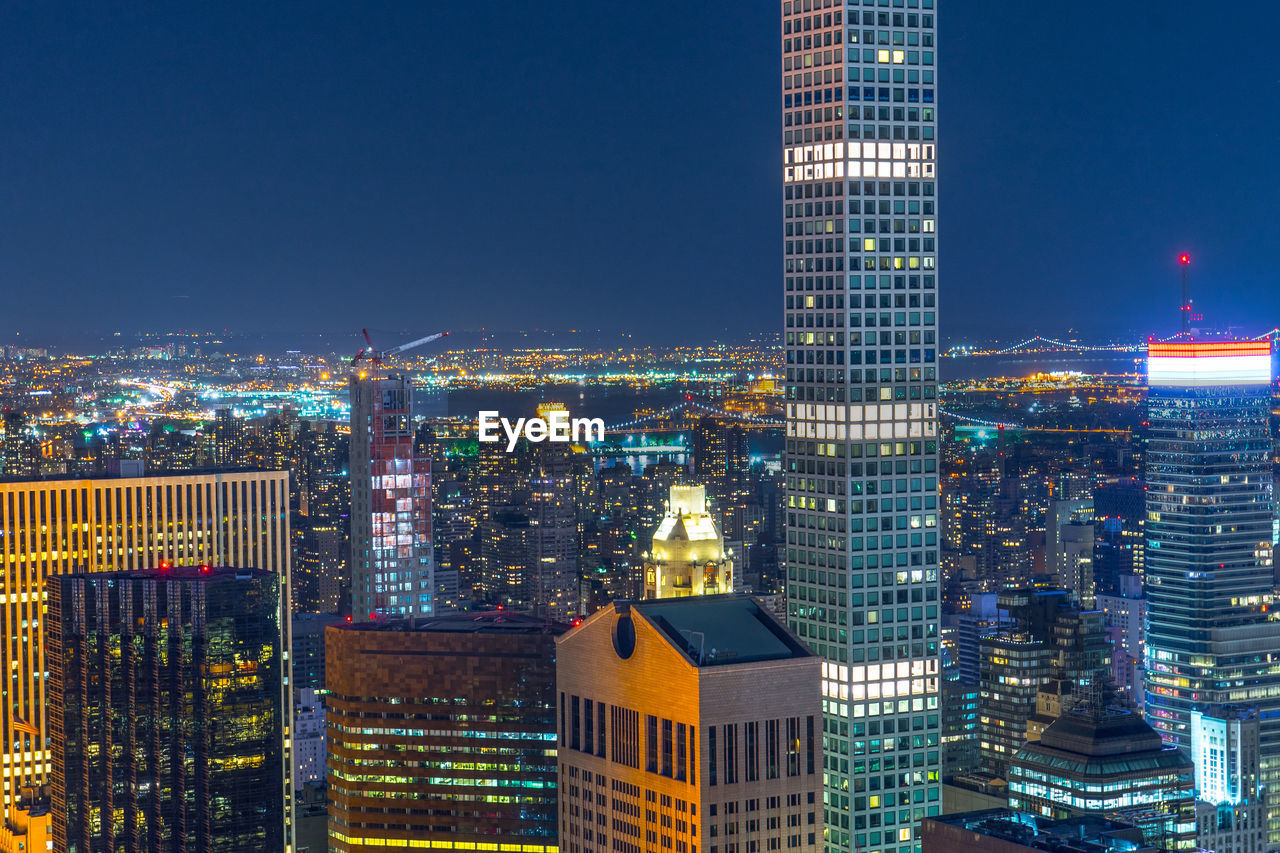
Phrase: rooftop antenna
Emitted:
{"points": [[1184, 261]]}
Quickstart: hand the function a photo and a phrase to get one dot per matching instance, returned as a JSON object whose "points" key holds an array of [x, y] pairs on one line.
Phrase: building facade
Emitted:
{"points": [[860, 334], [1231, 817], [51, 527], [1212, 637], [442, 734], [391, 553], [668, 741], [166, 703]]}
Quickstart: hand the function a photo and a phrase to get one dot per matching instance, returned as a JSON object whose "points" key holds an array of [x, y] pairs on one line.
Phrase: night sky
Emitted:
{"points": [[319, 167]]}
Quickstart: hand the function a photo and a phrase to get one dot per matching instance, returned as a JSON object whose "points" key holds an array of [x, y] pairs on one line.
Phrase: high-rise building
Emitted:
{"points": [[1050, 643], [1069, 549], [1125, 612], [442, 734], [1231, 817], [687, 555], [167, 710], [1104, 762], [691, 724], [1212, 637], [52, 527], [860, 334], [391, 553]]}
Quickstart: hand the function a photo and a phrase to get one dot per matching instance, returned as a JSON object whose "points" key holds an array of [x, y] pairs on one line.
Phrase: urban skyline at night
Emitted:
{"points": [[833, 426]]}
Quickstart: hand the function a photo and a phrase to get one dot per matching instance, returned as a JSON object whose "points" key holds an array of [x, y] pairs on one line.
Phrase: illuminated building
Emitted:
{"points": [[860, 338], [1120, 518], [1051, 642], [551, 589], [167, 701], [1211, 638], [1231, 816], [20, 452], [442, 734], [722, 463], [114, 524], [1008, 831], [1069, 550], [1126, 619], [1107, 762], [692, 725], [391, 553], [688, 556]]}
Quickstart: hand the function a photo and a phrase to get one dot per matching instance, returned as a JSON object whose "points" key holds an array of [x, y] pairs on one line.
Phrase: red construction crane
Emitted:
{"points": [[376, 356]]}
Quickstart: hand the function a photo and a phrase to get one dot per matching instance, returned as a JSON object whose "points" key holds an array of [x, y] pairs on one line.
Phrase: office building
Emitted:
{"points": [[52, 527], [1125, 612], [1050, 642], [1105, 762], [457, 715], [391, 553], [1069, 549], [1212, 639], [308, 738], [1231, 814], [1008, 831], [693, 724], [687, 555], [860, 287], [308, 648], [168, 711]]}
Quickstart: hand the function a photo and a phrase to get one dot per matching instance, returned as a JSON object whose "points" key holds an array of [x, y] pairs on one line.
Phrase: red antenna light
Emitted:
{"points": [[164, 565], [1184, 258], [348, 618]]}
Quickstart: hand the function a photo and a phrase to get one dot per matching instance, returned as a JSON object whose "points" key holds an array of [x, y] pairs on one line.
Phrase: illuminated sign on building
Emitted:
{"points": [[1210, 363]]}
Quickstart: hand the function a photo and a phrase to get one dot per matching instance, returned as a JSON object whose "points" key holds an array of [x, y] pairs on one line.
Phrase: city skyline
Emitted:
{"points": [[295, 155]]}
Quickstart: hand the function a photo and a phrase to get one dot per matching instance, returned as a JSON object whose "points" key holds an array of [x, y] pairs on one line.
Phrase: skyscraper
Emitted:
{"points": [[391, 559], [1212, 637], [442, 734], [167, 710], [860, 296], [689, 725], [52, 527]]}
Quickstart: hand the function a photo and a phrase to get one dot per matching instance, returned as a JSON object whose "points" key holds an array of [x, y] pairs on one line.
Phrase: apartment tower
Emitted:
{"points": [[391, 554], [860, 193]]}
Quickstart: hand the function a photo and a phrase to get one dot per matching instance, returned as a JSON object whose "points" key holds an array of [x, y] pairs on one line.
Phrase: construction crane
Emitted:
{"points": [[376, 356]]}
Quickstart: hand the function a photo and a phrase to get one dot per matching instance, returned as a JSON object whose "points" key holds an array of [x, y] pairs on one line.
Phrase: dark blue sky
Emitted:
{"points": [[315, 166]]}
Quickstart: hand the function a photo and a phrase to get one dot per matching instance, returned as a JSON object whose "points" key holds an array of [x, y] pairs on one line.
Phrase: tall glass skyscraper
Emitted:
{"points": [[391, 554], [1212, 636], [860, 296]]}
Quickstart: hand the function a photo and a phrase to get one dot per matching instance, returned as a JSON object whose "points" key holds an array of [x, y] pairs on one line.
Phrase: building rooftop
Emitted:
{"points": [[1117, 743], [486, 622], [182, 573], [1088, 834], [725, 629]]}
